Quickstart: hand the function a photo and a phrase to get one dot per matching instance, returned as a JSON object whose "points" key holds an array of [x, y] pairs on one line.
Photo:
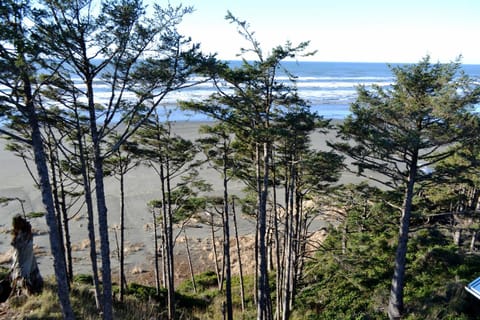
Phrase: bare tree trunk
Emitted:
{"points": [[264, 303], [66, 232], [41, 164], [56, 201], [155, 251], [90, 218], [457, 236], [473, 240], [164, 261], [239, 256], [123, 282], [474, 199], [192, 275], [168, 217], [215, 256], [226, 241], [395, 303], [276, 237], [344, 237], [101, 206], [24, 274], [63, 212], [288, 247]]}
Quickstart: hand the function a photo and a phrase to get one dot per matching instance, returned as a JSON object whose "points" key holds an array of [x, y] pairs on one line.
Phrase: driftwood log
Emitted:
{"points": [[24, 276]]}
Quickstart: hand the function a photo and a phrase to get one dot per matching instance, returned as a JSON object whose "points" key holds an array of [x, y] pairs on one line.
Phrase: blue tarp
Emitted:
{"points": [[474, 287]]}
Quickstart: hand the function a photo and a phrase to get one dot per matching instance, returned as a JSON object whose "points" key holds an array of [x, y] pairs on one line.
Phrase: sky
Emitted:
{"points": [[384, 31]]}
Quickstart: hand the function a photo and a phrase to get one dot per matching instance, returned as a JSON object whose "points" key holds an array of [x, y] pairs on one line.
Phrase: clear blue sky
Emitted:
{"points": [[343, 30]]}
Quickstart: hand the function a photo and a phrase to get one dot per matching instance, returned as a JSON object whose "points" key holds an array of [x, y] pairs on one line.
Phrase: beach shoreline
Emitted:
{"points": [[142, 186]]}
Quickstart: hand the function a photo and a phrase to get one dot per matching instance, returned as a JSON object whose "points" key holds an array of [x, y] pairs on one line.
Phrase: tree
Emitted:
{"points": [[303, 173], [172, 158], [400, 131], [249, 110], [120, 164], [140, 60], [217, 147], [20, 58]]}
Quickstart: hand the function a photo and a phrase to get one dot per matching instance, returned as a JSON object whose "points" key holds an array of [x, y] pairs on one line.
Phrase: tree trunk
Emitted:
{"points": [[473, 240], [226, 242], [168, 218], [155, 251], [474, 199], [24, 275], [215, 256], [66, 232], [192, 275], [264, 303], [46, 190], [101, 205], [102, 225], [90, 218], [457, 236], [344, 237], [395, 303], [288, 245], [276, 236], [123, 282], [56, 201], [239, 257]]}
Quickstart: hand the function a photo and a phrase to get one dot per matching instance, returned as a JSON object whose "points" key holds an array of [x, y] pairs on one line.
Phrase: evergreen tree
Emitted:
{"points": [[401, 130], [217, 147], [140, 59], [21, 56], [172, 158]]}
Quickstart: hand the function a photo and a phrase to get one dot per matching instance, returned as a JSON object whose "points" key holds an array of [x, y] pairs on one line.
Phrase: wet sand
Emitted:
{"points": [[142, 186]]}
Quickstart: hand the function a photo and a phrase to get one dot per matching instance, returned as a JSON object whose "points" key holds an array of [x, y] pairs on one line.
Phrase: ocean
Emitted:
{"points": [[329, 87]]}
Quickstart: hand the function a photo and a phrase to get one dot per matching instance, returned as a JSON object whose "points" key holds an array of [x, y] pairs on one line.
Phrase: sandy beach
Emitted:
{"points": [[142, 186]]}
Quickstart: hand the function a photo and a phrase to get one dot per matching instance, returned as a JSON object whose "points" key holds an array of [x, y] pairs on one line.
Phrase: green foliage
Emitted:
{"points": [[356, 284], [32, 215], [145, 293], [83, 278], [4, 271], [204, 281]]}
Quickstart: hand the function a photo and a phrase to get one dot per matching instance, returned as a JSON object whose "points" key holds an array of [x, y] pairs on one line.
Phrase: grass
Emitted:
{"points": [[140, 302]]}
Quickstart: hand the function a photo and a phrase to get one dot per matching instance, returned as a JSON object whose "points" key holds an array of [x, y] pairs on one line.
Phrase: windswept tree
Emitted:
{"points": [[172, 158], [139, 58], [304, 173], [217, 146], [123, 161], [247, 99], [21, 58], [403, 130]]}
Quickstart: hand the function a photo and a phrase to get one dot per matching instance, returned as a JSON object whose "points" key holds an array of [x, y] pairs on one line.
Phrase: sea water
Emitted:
{"points": [[328, 87]]}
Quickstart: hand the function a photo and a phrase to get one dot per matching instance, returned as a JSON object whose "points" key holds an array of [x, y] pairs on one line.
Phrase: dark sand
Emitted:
{"points": [[142, 186]]}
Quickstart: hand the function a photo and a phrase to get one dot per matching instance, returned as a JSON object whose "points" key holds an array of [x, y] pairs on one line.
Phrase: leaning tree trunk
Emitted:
{"points": [[102, 211], [395, 303], [226, 242], [239, 257], [190, 265], [47, 200], [264, 302], [90, 218], [155, 245], [24, 275]]}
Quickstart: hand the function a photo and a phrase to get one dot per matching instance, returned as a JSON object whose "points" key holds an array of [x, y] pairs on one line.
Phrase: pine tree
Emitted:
{"points": [[20, 60], [401, 130]]}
